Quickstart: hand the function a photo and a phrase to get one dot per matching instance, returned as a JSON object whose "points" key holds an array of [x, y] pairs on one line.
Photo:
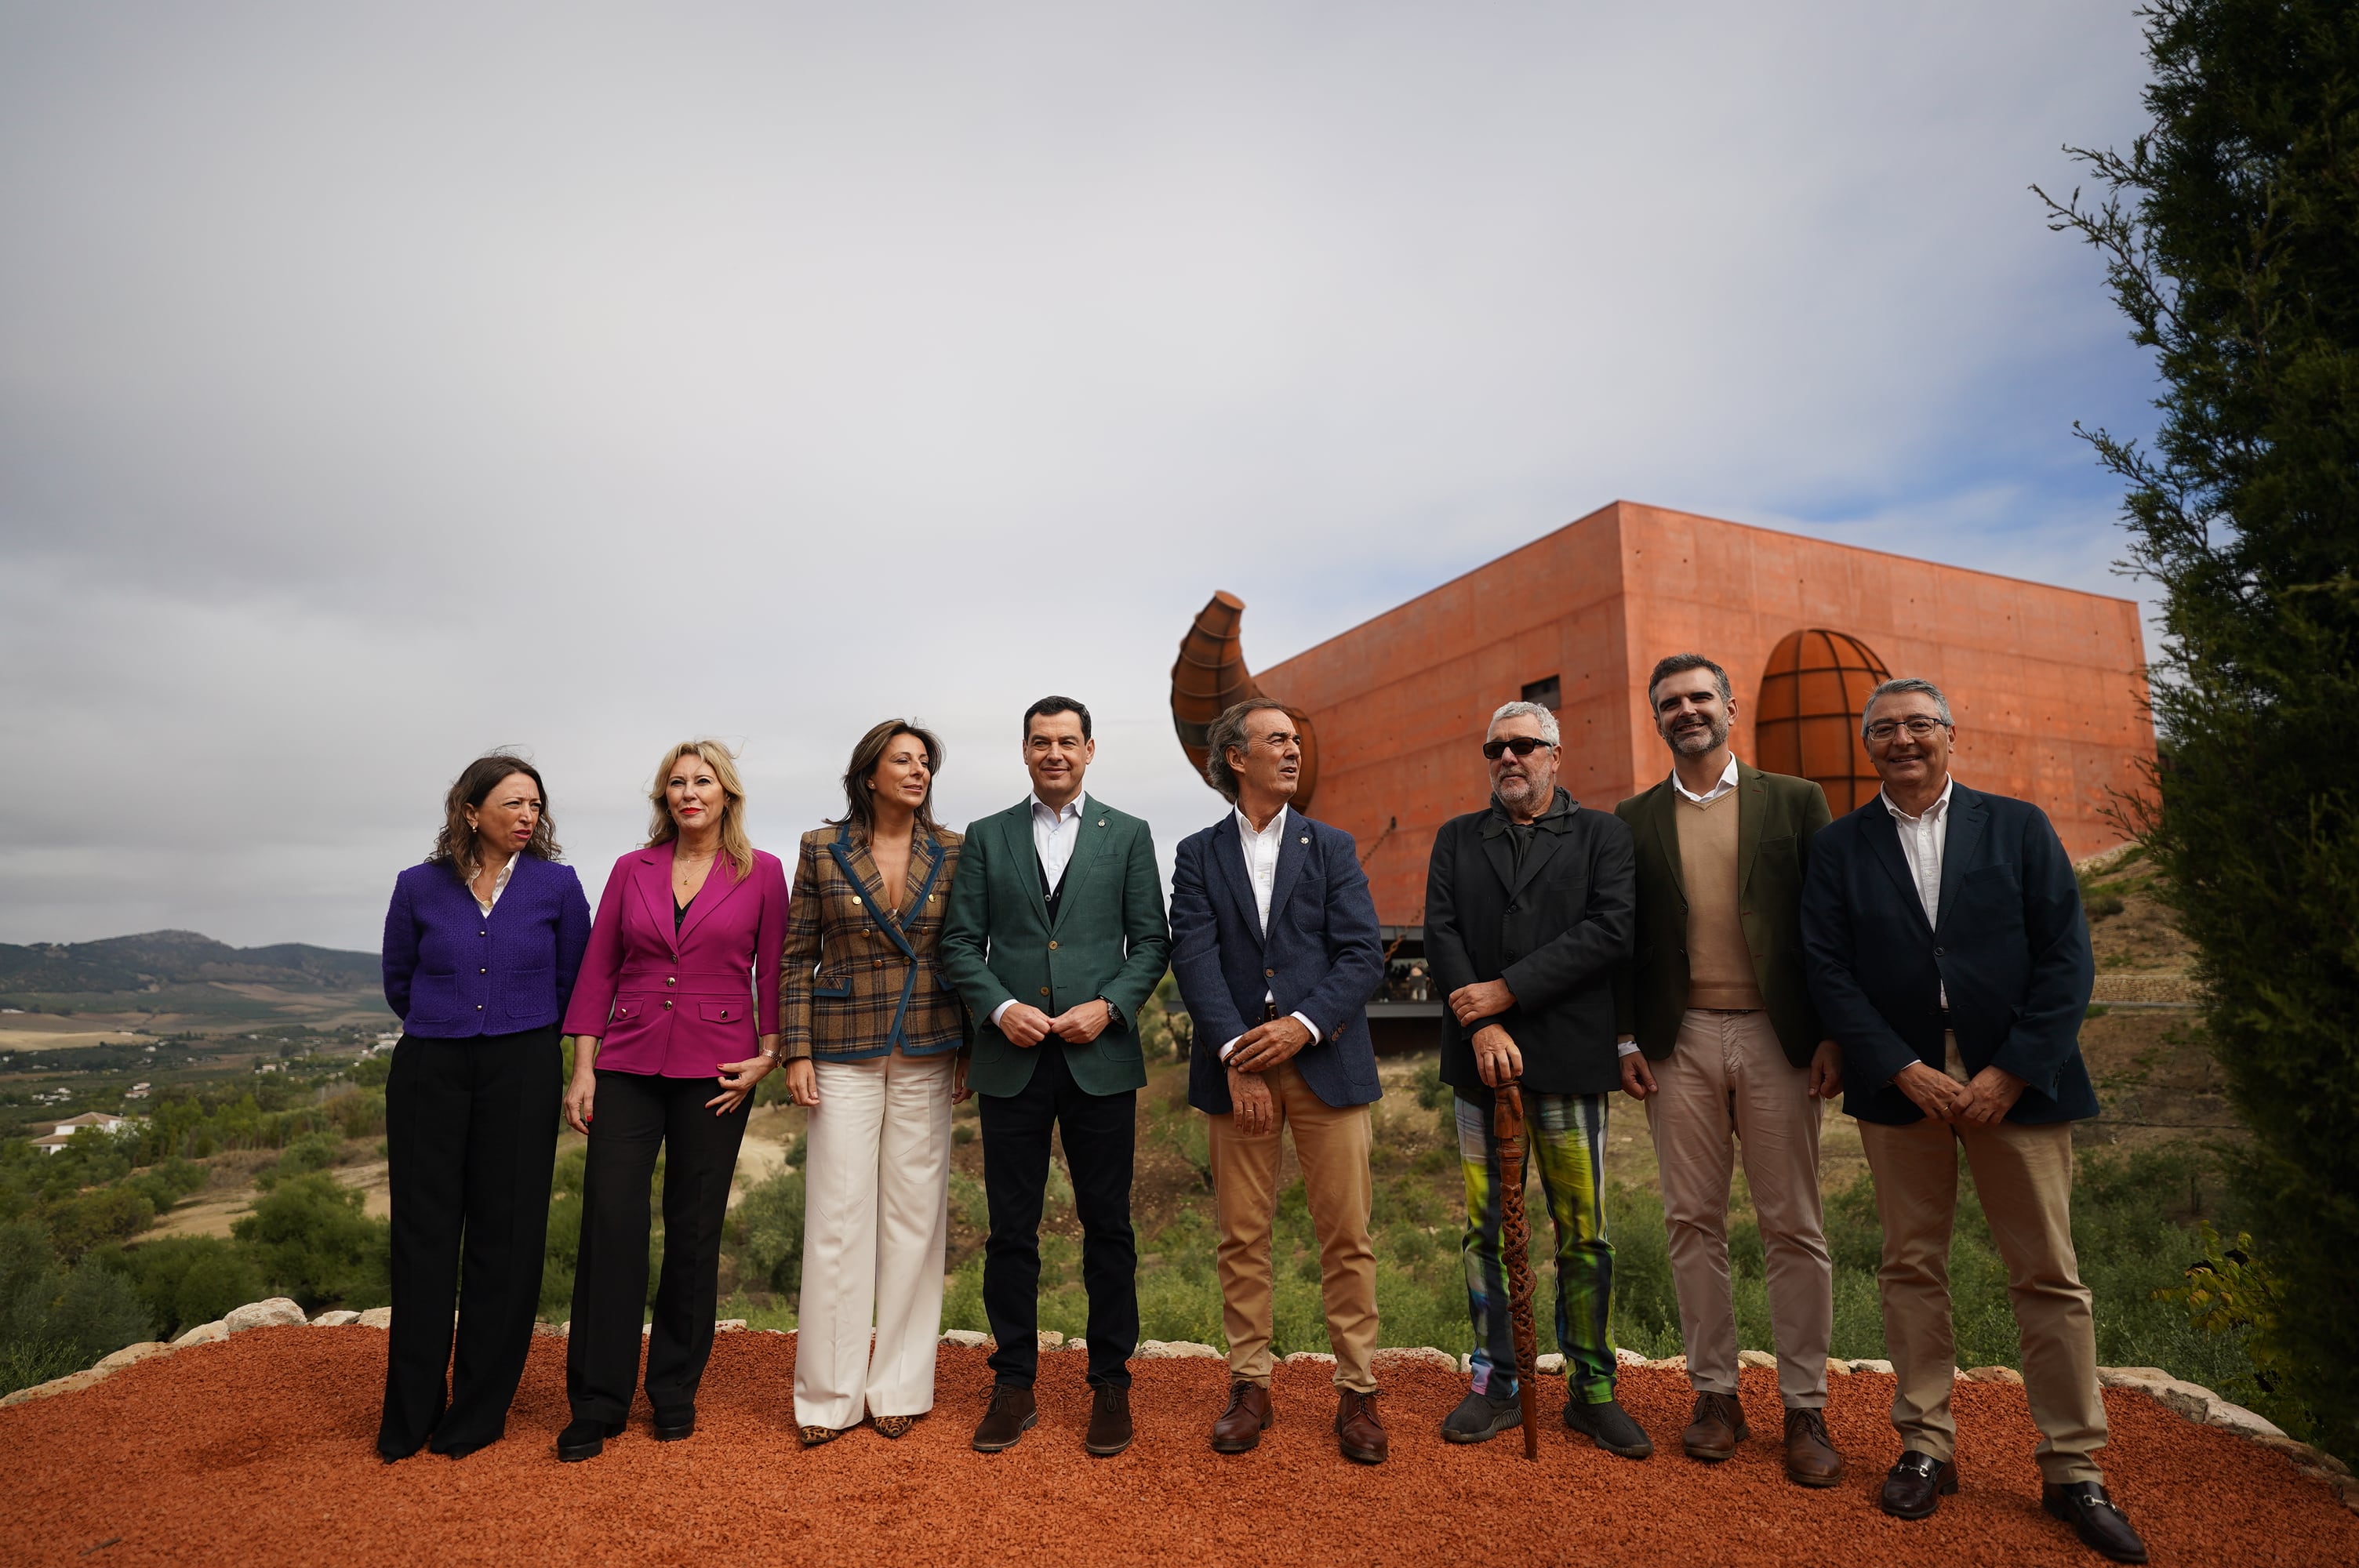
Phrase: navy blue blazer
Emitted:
{"points": [[2010, 944], [451, 971], [1321, 958]]}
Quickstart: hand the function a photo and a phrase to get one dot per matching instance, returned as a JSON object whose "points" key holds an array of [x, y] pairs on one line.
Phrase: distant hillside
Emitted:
{"points": [[157, 959]]}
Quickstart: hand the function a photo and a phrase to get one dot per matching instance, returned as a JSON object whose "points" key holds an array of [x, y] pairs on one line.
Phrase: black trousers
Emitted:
{"points": [[1100, 1134], [471, 1137], [635, 1115]]}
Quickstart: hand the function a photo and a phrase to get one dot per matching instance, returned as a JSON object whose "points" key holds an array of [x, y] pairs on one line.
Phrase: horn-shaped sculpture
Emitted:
{"points": [[1210, 677]]}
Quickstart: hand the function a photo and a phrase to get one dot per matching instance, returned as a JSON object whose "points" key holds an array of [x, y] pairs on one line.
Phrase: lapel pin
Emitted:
{"points": [[1304, 839]]}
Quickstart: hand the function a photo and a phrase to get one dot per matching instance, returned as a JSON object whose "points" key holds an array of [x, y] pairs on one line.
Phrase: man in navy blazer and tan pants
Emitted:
{"points": [[1275, 946], [1947, 954]]}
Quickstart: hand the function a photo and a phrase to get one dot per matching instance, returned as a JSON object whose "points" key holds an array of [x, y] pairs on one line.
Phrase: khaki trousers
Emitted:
{"points": [[1727, 1076], [1333, 1146], [2024, 1177]]}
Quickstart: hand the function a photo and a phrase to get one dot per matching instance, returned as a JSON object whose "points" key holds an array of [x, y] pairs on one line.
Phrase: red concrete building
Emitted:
{"points": [[2047, 683]]}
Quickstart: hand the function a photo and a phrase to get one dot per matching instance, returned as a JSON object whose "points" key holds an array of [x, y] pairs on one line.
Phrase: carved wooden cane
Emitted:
{"points": [[1516, 1253]]}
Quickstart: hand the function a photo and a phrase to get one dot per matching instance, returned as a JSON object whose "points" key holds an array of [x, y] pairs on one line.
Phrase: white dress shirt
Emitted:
{"points": [[1727, 782], [1924, 840], [499, 885], [1055, 830], [1261, 847], [1626, 1046]]}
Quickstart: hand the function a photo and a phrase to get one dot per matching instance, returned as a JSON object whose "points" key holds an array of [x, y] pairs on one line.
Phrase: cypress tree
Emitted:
{"points": [[2230, 232]]}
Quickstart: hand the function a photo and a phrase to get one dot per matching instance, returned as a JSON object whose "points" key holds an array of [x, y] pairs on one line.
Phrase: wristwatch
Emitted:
{"points": [[1114, 1015]]}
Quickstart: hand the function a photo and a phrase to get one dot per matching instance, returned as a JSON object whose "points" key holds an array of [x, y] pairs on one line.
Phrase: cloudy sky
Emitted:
{"points": [[375, 388]]}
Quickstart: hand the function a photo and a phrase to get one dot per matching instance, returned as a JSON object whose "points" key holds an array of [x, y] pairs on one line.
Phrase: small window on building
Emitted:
{"points": [[1547, 693]]}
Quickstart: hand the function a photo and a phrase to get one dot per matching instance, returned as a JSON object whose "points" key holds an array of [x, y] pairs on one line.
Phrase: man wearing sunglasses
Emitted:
{"points": [[1528, 914], [1947, 953]]}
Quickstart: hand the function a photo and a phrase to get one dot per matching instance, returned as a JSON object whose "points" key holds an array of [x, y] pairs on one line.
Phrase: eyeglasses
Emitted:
{"points": [[1920, 727], [1521, 745]]}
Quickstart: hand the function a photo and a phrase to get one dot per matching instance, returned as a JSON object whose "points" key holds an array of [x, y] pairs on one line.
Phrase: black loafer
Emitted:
{"points": [[1913, 1487], [585, 1439], [2095, 1517], [672, 1425], [1609, 1426]]}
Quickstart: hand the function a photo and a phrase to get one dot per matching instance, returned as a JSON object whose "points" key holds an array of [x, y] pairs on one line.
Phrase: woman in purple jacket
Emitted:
{"points": [[481, 947], [679, 997]]}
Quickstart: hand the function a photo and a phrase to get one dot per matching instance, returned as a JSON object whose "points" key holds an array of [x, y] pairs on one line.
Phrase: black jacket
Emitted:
{"points": [[1555, 932], [2010, 944]]}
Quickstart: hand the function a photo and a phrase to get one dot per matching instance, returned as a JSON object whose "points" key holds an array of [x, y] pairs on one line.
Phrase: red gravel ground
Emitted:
{"points": [[258, 1450]]}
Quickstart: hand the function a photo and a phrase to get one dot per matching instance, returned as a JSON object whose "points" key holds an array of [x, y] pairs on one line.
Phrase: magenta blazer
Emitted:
{"points": [[678, 1006]]}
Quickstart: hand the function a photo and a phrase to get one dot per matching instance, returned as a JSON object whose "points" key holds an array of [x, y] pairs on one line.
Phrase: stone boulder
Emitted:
{"points": [[279, 1312], [203, 1334], [965, 1338], [729, 1325], [1422, 1356], [376, 1317], [1756, 1359], [131, 1354], [1309, 1358], [1176, 1350], [1872, 1364], [336, 1319], [1991, 1375]]}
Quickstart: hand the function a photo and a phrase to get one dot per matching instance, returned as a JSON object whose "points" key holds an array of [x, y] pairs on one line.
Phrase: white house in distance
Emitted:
{"points": [[63, 1134]]}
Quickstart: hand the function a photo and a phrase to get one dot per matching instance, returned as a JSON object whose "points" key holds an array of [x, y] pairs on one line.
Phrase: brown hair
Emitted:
{"points": [[1227, 731], [860, 805], [662, 829], [455, 845]]}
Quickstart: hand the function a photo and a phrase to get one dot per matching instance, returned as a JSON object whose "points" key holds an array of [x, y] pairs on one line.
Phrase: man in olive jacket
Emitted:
{"points": [[1526, 919], [1056, 938], [1720, 1041]]}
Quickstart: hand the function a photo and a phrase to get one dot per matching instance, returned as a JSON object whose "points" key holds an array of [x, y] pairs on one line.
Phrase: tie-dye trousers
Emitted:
{"points": [[1564, 1138]]}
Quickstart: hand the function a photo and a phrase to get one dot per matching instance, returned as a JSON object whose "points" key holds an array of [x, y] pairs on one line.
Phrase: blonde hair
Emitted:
{"points": [[662, 829]]}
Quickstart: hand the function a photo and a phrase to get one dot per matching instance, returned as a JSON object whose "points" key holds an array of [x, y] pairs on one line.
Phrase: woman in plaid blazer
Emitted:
{"points": [[875, 1038]]}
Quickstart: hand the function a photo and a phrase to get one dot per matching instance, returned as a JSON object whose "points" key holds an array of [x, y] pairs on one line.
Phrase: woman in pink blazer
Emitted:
{"points": [[678, 992]]}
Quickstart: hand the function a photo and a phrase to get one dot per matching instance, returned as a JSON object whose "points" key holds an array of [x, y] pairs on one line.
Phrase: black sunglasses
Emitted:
{"points": [[1522, 746]]}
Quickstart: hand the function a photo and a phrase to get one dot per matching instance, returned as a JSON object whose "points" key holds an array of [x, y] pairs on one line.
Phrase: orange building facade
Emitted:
{"points": [[2047, 683]]}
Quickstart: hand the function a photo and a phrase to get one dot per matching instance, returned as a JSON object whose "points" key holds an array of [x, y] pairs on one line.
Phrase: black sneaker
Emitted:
{"points": [[1609, 1426], [1480, 1417]]}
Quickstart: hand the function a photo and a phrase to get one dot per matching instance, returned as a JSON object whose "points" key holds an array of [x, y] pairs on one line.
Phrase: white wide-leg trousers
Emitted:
{"points": [[875, 1223]]}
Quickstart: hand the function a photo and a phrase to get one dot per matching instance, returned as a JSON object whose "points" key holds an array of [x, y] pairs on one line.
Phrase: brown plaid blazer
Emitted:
{"points": [[856, 980]]}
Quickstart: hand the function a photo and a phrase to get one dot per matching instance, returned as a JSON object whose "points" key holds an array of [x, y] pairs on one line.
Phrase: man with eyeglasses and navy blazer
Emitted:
{"points": [[1530, 907], [1947, 953]]}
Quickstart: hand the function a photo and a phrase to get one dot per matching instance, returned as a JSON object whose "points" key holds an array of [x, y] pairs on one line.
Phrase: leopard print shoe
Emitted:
{"points": [[894, 1425], [813, 1436]]}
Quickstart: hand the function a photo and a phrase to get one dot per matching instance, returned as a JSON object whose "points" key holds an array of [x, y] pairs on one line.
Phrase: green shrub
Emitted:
{"points": [[53, 1321], [308, 1152], [764, 1234], [93, 1218], [308, 1239], [184, 1281]]}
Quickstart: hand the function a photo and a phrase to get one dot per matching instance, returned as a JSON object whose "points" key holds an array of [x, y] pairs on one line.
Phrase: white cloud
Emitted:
{"points": [[374, 388]]}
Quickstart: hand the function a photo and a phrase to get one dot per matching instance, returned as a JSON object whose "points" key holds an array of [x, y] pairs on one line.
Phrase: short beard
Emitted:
{"points": [[1685, 742], [1523, 789]]}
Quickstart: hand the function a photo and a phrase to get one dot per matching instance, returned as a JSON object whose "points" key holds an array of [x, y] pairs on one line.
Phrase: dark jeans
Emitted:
{"points": [[470, 1136], [1098, 1134], [634, 1115]]}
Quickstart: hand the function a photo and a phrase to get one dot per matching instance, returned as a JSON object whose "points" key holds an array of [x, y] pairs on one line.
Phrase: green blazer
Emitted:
{"points": [[1110, 940], [1777, 817]]}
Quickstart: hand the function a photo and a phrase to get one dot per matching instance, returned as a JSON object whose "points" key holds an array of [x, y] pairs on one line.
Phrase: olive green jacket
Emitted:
{"points": [[1110, 940], [1777, 817]]}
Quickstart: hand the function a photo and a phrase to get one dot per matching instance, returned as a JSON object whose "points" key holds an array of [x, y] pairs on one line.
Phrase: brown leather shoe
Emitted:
{"points": [[1109, 1431], [1915, 1487], [1716, 1428], [1810, 1456], [1011, 1416], [1247, 1417], [1357, 1428]]}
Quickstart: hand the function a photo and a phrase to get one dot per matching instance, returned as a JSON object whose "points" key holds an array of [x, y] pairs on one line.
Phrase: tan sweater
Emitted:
{"points": [[1720, 966]]}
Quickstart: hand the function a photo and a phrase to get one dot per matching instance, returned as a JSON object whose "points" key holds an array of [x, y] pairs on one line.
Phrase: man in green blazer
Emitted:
{"points": [[1720, 1041], [1056, 938]]}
